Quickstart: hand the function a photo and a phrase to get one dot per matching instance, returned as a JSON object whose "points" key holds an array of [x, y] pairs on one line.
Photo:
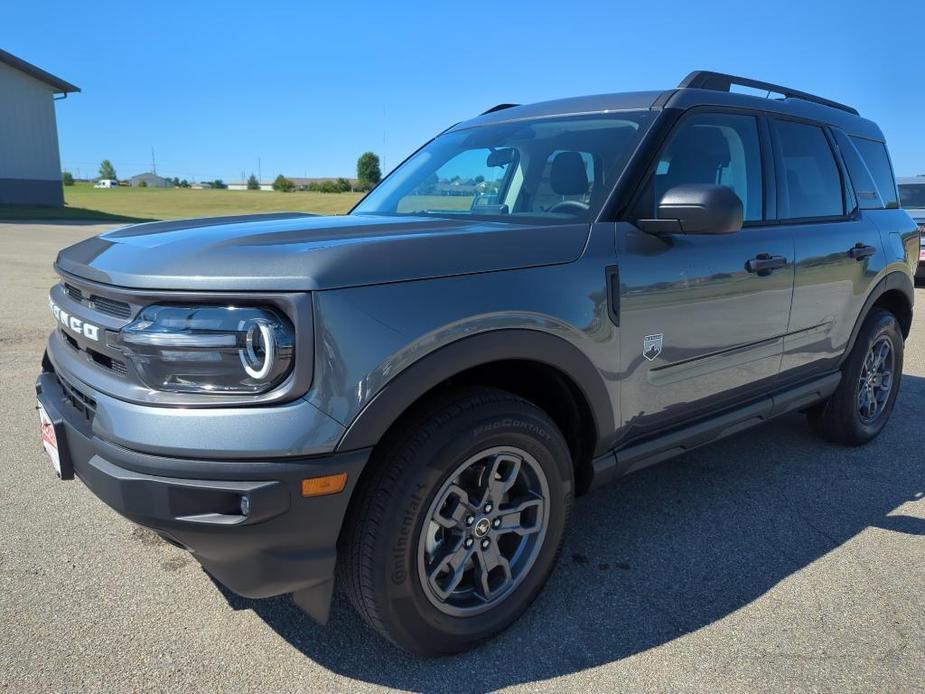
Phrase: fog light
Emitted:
{"points": [[245, 505]]}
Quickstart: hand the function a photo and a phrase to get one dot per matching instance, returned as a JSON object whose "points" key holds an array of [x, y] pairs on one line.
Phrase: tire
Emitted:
{"points": [[840, 418], [391, 542]]}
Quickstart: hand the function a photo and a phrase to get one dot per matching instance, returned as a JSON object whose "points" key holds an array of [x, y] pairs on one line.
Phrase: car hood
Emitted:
{"points": [[299, 252]]}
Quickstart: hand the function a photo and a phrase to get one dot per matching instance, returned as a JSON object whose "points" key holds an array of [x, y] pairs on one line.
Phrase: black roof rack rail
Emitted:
{"points": [[717, 81], [499, 107]]}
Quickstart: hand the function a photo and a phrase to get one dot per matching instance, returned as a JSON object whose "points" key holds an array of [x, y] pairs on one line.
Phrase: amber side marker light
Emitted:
{"points": [[320, 486]]}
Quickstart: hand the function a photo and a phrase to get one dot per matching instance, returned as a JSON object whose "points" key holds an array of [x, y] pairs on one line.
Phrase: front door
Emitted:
{"points": [[701, 326]]}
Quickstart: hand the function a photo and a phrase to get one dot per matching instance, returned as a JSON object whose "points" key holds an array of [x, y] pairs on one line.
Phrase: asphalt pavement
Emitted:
{"points": [[769, 561]]}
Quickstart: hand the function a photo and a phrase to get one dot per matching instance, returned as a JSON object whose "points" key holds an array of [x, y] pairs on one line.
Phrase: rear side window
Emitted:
{"points": [[811, 185], [878, 162]]}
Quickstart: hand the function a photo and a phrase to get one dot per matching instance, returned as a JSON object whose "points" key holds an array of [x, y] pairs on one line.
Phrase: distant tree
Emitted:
{"points": [[283, 184], [218, 183], [67, 178], [184, 183], [107, 170], [253, 183], [368, 171], [142, 184], [428, 185], [340, 185], [175, 181]]}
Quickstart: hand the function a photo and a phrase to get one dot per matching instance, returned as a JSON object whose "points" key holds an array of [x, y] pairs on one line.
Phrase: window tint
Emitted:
{"points": [[715, 148], [868, 197], [912, 195], [878, 162], [811, 183]]}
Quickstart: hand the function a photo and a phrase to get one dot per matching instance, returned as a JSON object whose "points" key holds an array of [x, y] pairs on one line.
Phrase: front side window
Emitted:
{"points": [[715, 148], [556, 170], [912, 195], [811, 183]]}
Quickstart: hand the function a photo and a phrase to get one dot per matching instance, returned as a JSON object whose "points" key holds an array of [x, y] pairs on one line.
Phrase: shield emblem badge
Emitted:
{"points": [[652, 346]]}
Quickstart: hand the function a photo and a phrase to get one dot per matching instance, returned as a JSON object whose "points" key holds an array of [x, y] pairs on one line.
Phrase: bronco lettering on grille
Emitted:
{"points": [[79, 326]]}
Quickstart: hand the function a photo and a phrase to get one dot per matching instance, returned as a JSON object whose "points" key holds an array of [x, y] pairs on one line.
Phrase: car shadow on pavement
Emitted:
{"points": [[660, 554]]}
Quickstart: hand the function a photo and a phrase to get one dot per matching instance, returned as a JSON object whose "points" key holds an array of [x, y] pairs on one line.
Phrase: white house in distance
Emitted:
{"points": [[30, 165], [151, 180], [242, 185]]}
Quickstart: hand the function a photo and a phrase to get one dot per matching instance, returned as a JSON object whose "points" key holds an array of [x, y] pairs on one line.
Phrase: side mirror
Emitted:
{"points": [[696, 208]]}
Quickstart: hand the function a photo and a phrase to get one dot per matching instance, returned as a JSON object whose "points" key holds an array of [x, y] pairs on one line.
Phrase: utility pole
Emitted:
{"points": [[153, 163], [259, 171]]}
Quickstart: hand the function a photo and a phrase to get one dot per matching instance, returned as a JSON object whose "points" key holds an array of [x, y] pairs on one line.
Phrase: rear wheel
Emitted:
{"points": [[460, 524], [861, 405]]}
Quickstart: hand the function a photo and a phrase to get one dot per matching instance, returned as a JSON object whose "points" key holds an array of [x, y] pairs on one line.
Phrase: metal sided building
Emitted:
{"points": [[30, 165]]}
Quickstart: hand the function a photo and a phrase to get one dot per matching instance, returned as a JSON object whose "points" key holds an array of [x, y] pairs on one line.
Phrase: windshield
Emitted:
{"points": [[912, 195], [555, 170]]}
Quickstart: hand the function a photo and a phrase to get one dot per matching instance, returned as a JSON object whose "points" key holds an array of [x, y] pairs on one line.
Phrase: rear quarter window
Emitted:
{"points": [[878, 163], [868, 196]]}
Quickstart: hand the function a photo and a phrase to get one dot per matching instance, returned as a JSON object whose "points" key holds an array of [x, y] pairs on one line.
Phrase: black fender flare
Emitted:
{"points": [[894, 281], [402, 391]]}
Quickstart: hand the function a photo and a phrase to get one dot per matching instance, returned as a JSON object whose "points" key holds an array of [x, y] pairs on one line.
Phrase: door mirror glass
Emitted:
{"points": [[696, 208]]}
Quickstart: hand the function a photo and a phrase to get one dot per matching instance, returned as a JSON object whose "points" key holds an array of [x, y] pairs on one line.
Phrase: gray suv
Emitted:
{"points": [[538, 301]]}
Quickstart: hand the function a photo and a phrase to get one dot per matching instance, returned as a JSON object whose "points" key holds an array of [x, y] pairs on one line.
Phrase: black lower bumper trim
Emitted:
{"points": [[283, 543]]}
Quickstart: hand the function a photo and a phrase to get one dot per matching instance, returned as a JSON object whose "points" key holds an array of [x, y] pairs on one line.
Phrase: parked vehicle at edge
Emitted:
{"points": [[411, 395], [912, 199]]}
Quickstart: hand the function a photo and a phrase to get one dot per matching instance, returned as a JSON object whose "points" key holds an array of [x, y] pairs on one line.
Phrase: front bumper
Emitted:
{"points": [[285, 543]]}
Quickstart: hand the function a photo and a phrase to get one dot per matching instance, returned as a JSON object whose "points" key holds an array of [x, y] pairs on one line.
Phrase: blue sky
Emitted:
{"points": [[306, 87]]}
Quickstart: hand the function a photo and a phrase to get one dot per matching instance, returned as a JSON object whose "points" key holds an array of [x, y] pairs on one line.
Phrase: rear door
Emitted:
{"points": [[838, 252], [699, 330]]}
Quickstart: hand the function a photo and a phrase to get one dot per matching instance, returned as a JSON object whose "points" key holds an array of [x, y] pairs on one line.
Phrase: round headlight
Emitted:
{"points": [[259, 352], [209, 348]]}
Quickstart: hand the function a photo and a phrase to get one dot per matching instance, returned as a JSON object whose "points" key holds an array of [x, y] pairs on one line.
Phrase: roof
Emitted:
{"points": [[58, 84], [911, 179], [708, 89], [148, 174]]}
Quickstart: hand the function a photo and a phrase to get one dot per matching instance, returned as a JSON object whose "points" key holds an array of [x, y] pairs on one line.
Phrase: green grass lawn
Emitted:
{"points": [[84, 202]]}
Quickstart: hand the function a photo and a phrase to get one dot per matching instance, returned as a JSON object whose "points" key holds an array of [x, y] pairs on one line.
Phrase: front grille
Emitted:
{"points": [[119, 309], [82, 403], [74, 293], [107, 362], [112, 307]]}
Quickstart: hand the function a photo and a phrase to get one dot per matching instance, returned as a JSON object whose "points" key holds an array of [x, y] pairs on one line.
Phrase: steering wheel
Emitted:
{"points": [[569, 207]]}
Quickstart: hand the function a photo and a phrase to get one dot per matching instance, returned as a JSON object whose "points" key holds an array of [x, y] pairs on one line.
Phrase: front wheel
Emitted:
{"points": [[861, 405], [460, 524]]}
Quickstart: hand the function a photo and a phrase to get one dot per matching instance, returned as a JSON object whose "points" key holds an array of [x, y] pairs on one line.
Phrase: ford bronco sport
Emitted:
{"points": [[538, 301]]}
